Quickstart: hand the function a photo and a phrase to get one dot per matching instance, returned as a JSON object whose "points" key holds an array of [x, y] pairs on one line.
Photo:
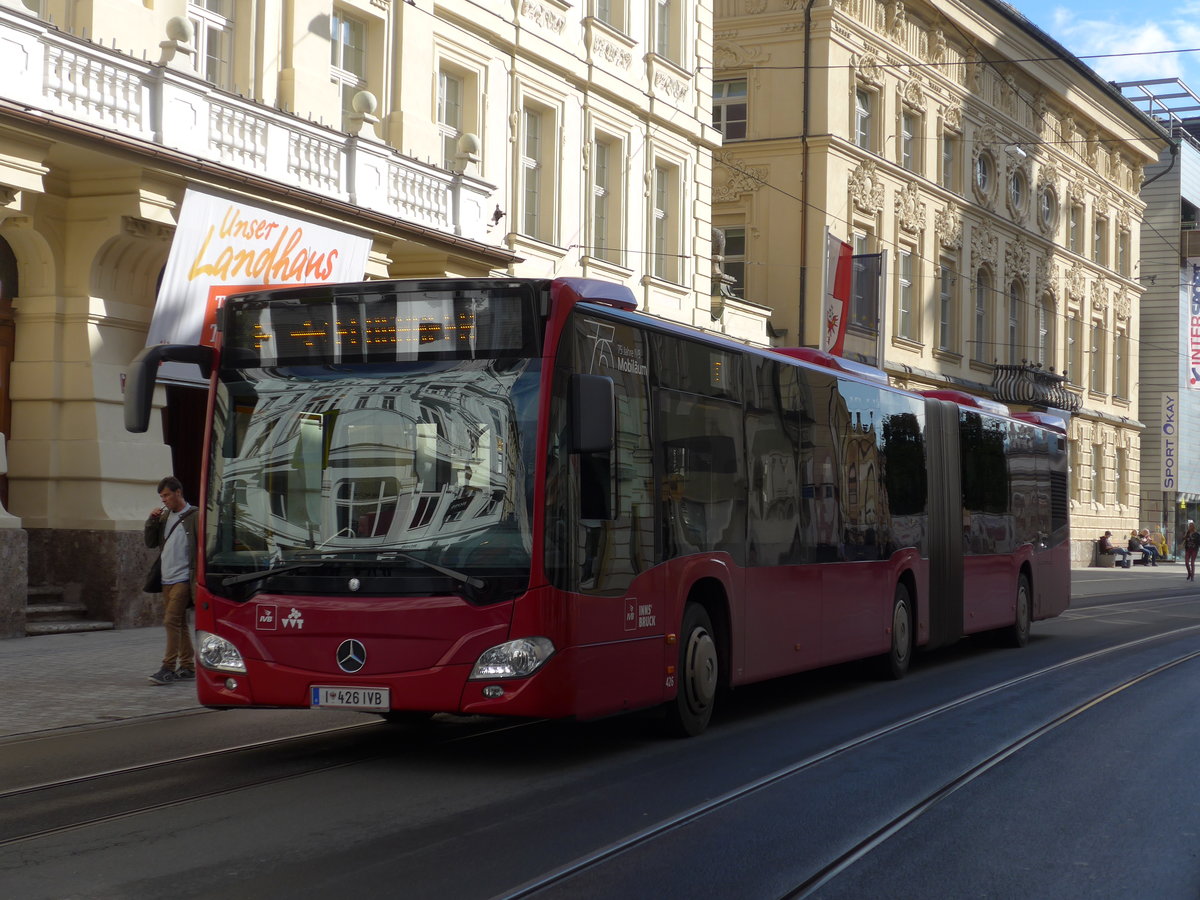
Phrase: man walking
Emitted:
{"points": [[172, 528]]}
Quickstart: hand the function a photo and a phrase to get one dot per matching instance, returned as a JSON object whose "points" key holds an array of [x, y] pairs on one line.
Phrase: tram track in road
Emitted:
{"points": [[113, 794], [638, 841]]}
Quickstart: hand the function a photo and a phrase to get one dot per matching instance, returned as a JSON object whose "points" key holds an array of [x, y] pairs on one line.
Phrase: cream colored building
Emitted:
{"points": [[526, 137], [997, 172]]}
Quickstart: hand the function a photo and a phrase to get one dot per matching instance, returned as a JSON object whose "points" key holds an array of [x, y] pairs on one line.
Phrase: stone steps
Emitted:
{"points": [[49, 611]]}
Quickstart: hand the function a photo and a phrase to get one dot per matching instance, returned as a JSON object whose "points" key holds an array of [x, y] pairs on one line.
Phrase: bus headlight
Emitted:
{"points": [[515, 659], [217, 653]]}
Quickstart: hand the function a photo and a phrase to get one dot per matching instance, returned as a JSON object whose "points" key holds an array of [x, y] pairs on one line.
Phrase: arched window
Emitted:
{"points": [[1016, 306]]}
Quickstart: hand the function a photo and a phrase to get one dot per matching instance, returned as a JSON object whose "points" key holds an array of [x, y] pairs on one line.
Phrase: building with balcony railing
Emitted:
{"points": [[537, 138]]}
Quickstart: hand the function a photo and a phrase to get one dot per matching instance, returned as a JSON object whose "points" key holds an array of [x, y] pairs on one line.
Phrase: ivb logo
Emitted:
{"points": [[265, 617]]}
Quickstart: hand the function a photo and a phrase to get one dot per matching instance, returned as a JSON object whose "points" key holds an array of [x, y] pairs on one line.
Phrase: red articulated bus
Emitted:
{"points": [[522, 497]]}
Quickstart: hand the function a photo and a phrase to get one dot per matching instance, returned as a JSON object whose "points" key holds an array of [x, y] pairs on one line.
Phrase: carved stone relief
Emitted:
{"points": [[947, 223], [728, 55], [985, 245], [868, 66], [914, 95], [735, 178], [1123, 305], [1016, 258], [611, 53], [910, 210], [1045, 280], [543, 16], [1076, 282], [866, 189], [1101, 294]]}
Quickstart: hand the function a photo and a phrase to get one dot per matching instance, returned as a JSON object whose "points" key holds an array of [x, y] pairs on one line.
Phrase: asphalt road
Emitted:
{"points": [[1064, 769]]}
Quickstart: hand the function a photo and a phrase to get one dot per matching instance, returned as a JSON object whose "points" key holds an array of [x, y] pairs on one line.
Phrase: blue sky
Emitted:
{"points": [[1129, 33]]}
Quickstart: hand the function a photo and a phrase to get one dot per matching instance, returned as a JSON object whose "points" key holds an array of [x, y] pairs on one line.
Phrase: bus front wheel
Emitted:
{"points": [[697, 674]]}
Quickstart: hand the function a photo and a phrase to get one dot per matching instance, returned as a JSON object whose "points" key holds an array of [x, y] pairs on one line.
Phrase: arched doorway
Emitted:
{"points": [[8, 332]]}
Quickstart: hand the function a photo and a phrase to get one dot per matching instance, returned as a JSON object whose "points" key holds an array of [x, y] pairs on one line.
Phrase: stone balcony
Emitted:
{"points": [[1028, 384], [45, 70]]}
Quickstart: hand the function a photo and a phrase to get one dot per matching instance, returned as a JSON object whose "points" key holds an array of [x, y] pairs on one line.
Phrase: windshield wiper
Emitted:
{"points": [[267, 573], [461, 577]]}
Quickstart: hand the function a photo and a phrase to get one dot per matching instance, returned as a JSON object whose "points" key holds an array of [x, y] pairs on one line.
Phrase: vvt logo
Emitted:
{"points": [[293, 620]]}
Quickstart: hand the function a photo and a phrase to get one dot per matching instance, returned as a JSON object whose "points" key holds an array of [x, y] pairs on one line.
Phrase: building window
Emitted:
{"points": [[666, 224], [1075, 228], [212, 23], [1016, 302], [1018, 191], [606, 200], [1121, 365], [985, 169], [905, 294], [735, 258], [1046, 332], [950, 161], [983, 291], [347, 58], [532, 148], [1123, 252], [1096, 381], [1047, 209], [863, 132], [863, 311], [1100, 242], [1120, 477], [667, 29], [729, 108], [611, 13], [946, 305], [1098, 473], [450, 99], [1075, 350], [910, 141]]}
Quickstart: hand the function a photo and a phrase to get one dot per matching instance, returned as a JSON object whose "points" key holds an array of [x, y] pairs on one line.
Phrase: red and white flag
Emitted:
{"points": [[839, 276]]}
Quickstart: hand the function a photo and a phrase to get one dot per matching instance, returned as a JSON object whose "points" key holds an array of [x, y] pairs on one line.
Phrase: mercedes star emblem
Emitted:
{"points": [[354, 584], [351, 655]]}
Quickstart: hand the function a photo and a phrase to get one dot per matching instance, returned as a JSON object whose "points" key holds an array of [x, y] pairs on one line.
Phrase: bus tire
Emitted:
{"points": [[698, 674], [895, 664], [1017, 634]]}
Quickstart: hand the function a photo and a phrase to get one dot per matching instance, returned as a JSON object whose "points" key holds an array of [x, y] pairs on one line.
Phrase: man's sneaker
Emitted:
{"points": [[185, 675], [163, 676]]}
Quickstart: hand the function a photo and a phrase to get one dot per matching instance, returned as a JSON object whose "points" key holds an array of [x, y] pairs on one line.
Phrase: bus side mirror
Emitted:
{"points": [[139, 385], [593, 414]]}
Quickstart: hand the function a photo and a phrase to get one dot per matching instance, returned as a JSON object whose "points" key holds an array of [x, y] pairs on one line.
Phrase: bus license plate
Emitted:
{"points": [[378, 699]]}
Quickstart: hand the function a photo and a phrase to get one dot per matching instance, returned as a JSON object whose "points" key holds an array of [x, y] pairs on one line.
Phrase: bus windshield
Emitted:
{"points": [[400, 463]]}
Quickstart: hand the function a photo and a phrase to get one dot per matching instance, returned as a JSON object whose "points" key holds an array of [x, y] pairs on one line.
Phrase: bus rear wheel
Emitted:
{"points": [[1017, 634], [895, 663], [698, 674]]}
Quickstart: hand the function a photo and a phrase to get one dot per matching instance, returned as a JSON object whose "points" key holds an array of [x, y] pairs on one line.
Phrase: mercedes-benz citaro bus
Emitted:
{"points": [[522, 497]]}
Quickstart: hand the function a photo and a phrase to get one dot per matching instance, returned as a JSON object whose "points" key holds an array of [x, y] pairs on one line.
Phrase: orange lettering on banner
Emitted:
{"points": [[284, 262]]}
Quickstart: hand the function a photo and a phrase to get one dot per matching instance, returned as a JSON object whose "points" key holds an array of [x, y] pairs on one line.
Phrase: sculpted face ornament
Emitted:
{"points": [[351, 656]]}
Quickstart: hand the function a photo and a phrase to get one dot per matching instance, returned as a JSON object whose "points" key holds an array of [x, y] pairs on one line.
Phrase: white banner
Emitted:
{"points": [[225, 245], [1169, 460]]}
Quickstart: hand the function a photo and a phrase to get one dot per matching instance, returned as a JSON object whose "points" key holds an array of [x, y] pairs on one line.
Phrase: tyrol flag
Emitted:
{"points": [[839, 276]]}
